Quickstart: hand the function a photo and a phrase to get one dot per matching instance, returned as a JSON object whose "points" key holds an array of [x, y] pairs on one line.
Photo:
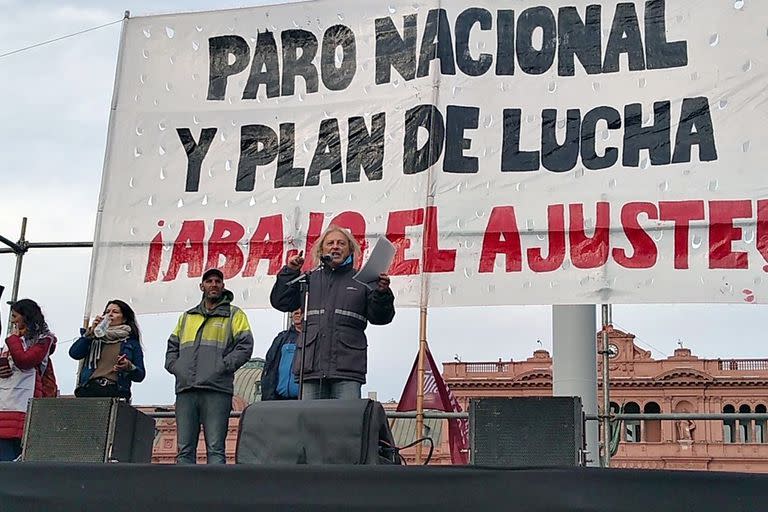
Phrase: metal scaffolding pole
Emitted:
{"points": [[606, 383], [21, 247], [13, 247], [19, 260], [41, 245]]}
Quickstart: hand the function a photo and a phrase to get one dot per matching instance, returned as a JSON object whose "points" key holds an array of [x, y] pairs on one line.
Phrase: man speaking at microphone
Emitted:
{"points": [[339, 309]]}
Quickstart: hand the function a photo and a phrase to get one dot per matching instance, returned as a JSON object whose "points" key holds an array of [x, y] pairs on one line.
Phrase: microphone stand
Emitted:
{"points": [[303, 282]]}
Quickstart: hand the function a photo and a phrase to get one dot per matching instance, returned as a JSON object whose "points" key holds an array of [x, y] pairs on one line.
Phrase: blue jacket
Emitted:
{"points": [[131, 348], [269, 376]]}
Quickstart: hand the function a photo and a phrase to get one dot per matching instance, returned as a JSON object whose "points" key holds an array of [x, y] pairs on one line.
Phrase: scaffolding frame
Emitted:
{"points": [[21, 247]]}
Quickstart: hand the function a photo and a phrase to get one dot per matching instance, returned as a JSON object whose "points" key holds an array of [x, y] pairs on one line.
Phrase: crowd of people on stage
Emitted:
{"points": [[323, 355]]}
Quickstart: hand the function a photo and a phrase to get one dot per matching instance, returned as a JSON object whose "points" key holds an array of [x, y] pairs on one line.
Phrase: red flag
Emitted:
{"points": [[437, 397]]}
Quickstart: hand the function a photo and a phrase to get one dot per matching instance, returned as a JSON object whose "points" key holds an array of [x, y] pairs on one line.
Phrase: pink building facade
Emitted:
{"points": [[639, 383]]}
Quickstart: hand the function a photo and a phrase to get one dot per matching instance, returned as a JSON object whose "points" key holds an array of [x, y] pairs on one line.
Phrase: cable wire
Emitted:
{"points": [[429, 455], [642, 341], [49, 41], [66, 342]]}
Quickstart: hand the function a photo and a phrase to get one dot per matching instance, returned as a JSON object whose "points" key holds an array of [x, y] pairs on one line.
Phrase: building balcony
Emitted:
{"points": [[742, 365], [696, 455]]}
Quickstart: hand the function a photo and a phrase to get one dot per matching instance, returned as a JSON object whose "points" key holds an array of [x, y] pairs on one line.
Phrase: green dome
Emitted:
{"points": [[248, 380]]}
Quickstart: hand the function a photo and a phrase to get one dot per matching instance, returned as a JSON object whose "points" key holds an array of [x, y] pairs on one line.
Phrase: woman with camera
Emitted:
{"points": [[23, 361], [111, 353]]}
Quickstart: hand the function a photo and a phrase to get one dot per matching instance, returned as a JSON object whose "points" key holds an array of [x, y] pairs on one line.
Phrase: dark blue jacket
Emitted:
{"points": [[131, 348], [269, 376], [339, 311]]}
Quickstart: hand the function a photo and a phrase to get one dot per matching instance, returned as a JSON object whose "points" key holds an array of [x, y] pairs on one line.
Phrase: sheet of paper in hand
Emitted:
{"points": [[379, 261]]}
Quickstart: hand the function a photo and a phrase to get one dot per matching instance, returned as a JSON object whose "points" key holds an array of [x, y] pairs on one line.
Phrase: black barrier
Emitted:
{"points": [[31, 487]]}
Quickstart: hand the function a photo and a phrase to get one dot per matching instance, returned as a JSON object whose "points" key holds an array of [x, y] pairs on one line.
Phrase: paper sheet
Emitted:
{"points": [[378, 262]]}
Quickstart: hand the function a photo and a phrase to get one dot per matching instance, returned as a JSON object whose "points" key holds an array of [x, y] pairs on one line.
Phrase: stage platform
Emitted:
{"points": [[148, 488]]}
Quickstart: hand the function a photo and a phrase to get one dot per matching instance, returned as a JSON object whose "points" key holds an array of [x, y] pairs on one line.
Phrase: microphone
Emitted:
{"points": [[324, 260]]}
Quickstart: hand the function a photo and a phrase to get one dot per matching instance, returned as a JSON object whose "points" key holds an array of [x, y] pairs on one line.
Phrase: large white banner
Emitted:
{"points": [[543, 152]]}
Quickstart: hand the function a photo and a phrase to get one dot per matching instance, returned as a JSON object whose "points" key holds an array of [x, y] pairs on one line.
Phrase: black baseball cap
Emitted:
{"points": [[213, 272]]}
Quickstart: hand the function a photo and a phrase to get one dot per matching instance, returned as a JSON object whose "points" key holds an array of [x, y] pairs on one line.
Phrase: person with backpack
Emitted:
{"points": [[210, 342], [111, 353], [278, 382], [23, 361]]}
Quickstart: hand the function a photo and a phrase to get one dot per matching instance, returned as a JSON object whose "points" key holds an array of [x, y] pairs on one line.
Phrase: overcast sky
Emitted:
{"points": [[55, 104]]}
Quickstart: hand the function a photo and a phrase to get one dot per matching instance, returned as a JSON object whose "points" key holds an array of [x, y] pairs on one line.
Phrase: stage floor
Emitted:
{"points": [[148, 488]]}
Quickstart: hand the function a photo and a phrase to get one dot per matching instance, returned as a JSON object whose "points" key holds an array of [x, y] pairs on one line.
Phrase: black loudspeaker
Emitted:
{"points": [[527, 432], [87, 430], [315, 432]]}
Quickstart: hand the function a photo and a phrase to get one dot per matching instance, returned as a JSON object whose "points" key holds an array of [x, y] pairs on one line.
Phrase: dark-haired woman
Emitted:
{"points": [[22, 362], [112, 360]]}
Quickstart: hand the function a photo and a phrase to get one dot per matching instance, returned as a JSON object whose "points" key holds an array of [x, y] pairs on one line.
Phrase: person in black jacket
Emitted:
{"points": [[340, 308], [270, 376]]}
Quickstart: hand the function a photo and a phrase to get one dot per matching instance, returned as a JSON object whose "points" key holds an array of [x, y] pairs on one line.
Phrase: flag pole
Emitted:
{"points": [[429, 201], [420, 381]]}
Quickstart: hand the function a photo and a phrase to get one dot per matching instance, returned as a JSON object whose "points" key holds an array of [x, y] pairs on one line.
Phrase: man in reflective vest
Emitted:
{"points": [[210, 342]]}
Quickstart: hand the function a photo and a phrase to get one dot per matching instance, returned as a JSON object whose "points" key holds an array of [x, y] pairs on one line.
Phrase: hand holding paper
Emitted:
{"points": [[383, 282], [373, 273]]}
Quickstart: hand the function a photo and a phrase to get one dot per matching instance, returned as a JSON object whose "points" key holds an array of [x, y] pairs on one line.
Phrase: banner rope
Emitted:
{"points": [[49, 41]]}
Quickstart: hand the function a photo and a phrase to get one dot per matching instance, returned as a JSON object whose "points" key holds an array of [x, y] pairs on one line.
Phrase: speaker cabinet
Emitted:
{"points": [[527, 432], [315, 432], [87, 430]]}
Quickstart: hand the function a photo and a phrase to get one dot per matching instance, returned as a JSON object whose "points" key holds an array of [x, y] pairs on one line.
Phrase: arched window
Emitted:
{"points": [[632, 427], [729, 426], [745, 426], [652, 428], [760, 433]]}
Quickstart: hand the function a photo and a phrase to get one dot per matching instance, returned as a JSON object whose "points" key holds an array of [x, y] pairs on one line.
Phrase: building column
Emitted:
{"points": [[668, 428], [717, 434], [574, 364]]}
